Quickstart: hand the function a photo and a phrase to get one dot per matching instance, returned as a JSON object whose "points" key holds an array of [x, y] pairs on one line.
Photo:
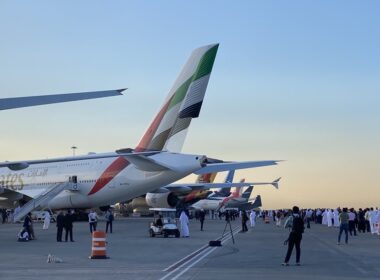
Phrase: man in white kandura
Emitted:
{"points": [[184, 224], [336, 218], [46, 220], [329, 217], [252, 218], [372, 219], [324, 217]]}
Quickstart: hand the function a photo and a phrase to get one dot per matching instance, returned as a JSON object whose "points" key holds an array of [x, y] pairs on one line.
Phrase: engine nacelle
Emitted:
{"points": [[139, 202], [161, 200]]}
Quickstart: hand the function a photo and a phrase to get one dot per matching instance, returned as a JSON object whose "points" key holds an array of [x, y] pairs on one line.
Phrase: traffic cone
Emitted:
{"points": [[98, 245]]}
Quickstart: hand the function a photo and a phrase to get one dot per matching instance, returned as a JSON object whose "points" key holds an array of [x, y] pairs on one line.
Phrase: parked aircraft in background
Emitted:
{"points": [[182, 195], [164, 197], [103, 179], [251, 204], [238, 198]]}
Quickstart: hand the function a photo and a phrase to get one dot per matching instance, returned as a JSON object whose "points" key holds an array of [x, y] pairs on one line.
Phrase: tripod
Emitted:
{"points": [[225, 227]]}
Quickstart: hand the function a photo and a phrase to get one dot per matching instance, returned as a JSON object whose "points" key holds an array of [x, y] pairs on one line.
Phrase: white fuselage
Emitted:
{"points": [[207, 204], [100, 181], [216, 203]]}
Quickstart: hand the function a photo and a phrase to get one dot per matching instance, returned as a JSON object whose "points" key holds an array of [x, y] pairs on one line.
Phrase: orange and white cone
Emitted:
{"points": [[98, 245]]}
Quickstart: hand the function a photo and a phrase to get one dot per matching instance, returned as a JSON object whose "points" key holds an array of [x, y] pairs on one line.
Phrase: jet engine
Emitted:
{"points": [[161, 200]]}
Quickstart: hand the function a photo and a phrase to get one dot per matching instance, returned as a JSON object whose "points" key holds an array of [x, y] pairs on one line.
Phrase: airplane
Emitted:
{"points": [[238, 198], [251, 204], [181, 195], [97, 180], [28, 101], [166, 198]]}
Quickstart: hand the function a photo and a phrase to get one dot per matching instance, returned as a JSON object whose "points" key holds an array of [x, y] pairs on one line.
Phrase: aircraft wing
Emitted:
{"points": [[225, 166], [204, 186], [19, 165], [7, 197], [28, 101]]}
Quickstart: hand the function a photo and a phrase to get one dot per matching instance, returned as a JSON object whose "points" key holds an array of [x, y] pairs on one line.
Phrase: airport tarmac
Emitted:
{"points": [[257, 254]]}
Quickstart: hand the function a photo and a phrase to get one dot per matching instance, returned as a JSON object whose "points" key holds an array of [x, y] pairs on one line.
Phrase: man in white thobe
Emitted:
{"points": [[324, 217], [184, 224], [336, 218], [329, 218], [372, 220], [252, 218], [377, 223], [46, 220]]}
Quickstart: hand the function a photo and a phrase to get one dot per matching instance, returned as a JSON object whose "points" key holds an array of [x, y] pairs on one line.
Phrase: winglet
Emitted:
{"points": [[275, 183], [121, 90]]}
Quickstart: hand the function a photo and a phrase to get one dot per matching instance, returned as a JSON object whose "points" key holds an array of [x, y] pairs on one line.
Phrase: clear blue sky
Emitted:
{"points": [[293, 80]]}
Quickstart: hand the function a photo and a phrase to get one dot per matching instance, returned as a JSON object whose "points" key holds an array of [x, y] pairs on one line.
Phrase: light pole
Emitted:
{"points": [[73, 148]]}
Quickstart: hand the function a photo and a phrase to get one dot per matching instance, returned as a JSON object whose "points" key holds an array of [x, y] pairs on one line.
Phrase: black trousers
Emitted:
{"points": [[109, 224], [202, 221], [244, 226], [351, 227], [59, 233], [92, 226], [67, 232], [294, 240]]}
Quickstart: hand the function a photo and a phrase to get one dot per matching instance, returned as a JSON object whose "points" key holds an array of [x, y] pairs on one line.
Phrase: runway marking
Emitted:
{"points": [[193, 254], [192, 259], [194, 263]]}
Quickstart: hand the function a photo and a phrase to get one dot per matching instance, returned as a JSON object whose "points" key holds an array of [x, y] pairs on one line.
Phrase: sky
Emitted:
{"points": [[293, 80]]}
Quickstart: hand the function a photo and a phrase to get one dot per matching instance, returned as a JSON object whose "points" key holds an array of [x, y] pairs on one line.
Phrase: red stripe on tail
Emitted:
{"points": [[118, 165]]}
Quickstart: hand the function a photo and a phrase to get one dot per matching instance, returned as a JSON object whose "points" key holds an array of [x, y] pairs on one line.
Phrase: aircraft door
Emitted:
{"points": [[74, 182]]}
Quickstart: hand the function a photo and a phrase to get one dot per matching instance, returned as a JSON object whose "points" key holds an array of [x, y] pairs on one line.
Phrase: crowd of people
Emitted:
{"points": [[361, 220]]}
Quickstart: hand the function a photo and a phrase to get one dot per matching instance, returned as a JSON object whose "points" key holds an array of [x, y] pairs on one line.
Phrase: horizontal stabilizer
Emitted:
{"points": [[28, 101], [145, 163], [225, 166]]}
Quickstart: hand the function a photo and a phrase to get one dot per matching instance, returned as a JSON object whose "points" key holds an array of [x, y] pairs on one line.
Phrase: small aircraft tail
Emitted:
{"points": [[247, 193], [257, 203], [234, 192], [183, 103], [237, 191], [206, 178]]}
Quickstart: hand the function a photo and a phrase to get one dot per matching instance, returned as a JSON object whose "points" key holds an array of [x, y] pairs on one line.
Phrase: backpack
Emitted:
{"points": [[289, 222], [298, 226]]}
